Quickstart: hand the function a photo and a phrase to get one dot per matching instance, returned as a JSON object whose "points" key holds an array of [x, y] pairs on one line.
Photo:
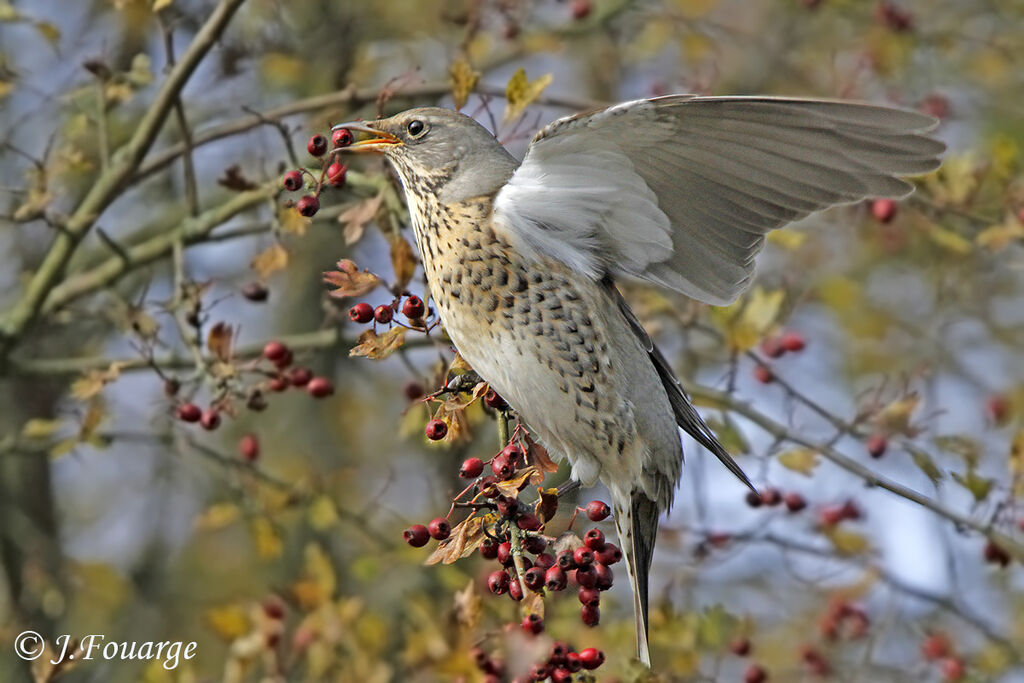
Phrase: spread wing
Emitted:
{"points": [[682, 190]]}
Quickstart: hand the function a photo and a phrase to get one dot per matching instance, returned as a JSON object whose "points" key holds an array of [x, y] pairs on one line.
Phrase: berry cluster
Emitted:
{"points": [[332, 173], [412, 308], [771, 497], [562, 662], [776, 347]]}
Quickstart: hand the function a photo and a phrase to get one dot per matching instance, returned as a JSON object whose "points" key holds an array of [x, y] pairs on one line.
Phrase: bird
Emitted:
{"points": [[522, 258]]}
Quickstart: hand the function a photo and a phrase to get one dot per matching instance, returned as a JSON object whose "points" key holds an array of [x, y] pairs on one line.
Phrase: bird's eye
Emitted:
{"points": [[416, 128]]}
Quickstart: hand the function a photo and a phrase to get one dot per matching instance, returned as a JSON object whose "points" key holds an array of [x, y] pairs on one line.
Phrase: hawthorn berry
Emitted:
{"points": [[573, 662], [771, 497], [249, 447], [581, 9], [535, 545], [533, 623], [540, 672], [274, 351], [953, 669], [591, 658], [489, 549], [417, 535], [608, 555], [513, 452], [274, 608], [471, 468], [507, 506], [876, 445], [585, 577], [794, 502], [995, 554], [755, 674], [502, 467], [278, 383], [413, 391], [528, 522], [936, 646], [831, 515], [565, 560], [299, 377], [544, 561], [308, 205], [589, 596], [561, 675], [493, 400], [504, 555], [594, 539], [883, 210], [413, 307], [439, 528], [361, 313], [210, 419], [740, 647], [336, 173], [772, 347], [317, 145], [763, 374], [436, 430], [515, 591], [284, 361], [604, 577], [292, 181], [598, 511], [555, 579], [534, 578], [754, 499], [189, 412], [319, 387], [341, 137], [583, 556], [591, 616], [498, 582], [383, 314], [793, 342], [997, 408], [255, 291]]}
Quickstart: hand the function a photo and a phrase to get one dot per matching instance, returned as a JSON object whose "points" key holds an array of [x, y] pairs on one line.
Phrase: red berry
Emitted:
{"points": [[255, 291], [308, 205], [544, 561], [535, 544], [439, 528], [436, 430], [189, 412], [850, 510], [471, 468], [292, 180], [953, 669], [534, 578], [489, 549], [565, 560], [583, 556], [274, 608], [763, 374], [505, 557], [513, 452], [894, 18], [609, 554], [528, 522], [502, 468], [994, 554], [341, 137], [210, 419], [831, 515], [794, 501], [584, 577], [876, 444], [417, 535], [594, 539], [317, 145], [413, 391], [361, 313], [413, 307], [275, 350], [589, 596], [997, 407], [561, 675], [772, 347], [279, 383], [598, 511], [540, 672], [515, 591], [555, 579], [336, 173], [249, 447], [383, 314], [771, 497], [755, 674], [936, 646], [753, 499], [319, 387], [793, 342], [591, 658], [493, 400], [284, 361], [573, 662], [498, 582], [533, 623], [581, 9], [604, 577], [740, 647], [299, 377], [884, 210], [591, 616]]}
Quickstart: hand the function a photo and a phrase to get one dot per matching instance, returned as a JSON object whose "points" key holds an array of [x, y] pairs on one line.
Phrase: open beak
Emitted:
{"points": [[378, 141]]}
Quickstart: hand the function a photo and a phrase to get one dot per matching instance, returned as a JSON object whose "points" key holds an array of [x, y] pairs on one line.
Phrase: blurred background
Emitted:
{"points": [[873, 378]]}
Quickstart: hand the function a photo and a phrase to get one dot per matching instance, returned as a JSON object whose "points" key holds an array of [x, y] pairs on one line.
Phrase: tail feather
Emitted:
{"points": [[636, 522]]}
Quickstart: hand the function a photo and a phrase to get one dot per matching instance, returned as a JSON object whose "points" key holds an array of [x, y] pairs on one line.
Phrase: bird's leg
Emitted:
{"points": [[568, 487]]}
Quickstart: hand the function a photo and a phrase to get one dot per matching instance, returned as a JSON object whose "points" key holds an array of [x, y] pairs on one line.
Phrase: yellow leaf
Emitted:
{"points": [[349, 281], [161, 4], [747, 321], [978, 486], [787, 239], [465, 538], [292, 222], [322, 513], [525, 476], [950, 241], [141, 71], [93, 382], [847, 542], [267, 539], [48, 31], [403, 261], [40, 428], [218, 516], [95, 414], [998, 237], [802, 460], [521, 92], [319, 582], [372, 345], [270, 260], [117, 91], [8, 12], [895, 417], [229, 622], [219, 341], [464, 79], [5, 88]]}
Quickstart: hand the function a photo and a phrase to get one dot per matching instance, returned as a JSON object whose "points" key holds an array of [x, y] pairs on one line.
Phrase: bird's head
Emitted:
{"points": [[449, 153]]}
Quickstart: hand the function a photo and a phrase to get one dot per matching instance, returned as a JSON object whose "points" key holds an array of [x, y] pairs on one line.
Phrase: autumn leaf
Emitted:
{"points": [[292, 222], [895, 417], [218, 516], [266, 538], [547, 504], [357, 216], [229, 621], [468, 607], [512, 487], [403, 261], [372, 345], [538, 455], [40, 428], [349, 281], [847, 542], [92, 383], [533, 603], [996, 238], [521, 92], [464, 79], [234, 179], [219, 341], [925, 463], [802, 460], [466, 537], [729, 435], [270, 260], [978, 486], [748, 320]]}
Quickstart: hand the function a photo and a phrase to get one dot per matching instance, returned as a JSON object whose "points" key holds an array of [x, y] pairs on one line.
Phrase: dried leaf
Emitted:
{"points": [[521, 92], [526, 476], [292, 222], [748, 320], [847, 542], [468, 607], [348, 281], [229, 622], [895, 417], [464, 79], [322, 513], [372, 345], [403, 261], [533, 603], [40, 428], [547, 505], [265, 536], [998, 237], [218, 516], [538, 455], [219, 341], [92, 383], [925, 463], [95, 414], [465, 538], [355, 217], [48, 31], [270, 260], [963, 446], [802, 460], [234, 179]]}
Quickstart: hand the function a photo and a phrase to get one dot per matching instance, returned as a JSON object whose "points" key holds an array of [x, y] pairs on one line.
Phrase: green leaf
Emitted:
{"points": [[802, 460], [925, 463], [978, 486], [716, 627], [730, 435]]}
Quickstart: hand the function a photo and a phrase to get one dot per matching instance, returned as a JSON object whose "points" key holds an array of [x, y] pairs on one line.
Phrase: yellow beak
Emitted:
{"points": [[379, 140]]}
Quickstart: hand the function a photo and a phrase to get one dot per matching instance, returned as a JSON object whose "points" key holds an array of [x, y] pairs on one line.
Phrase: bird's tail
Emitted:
{"points": [[636, 521]]}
